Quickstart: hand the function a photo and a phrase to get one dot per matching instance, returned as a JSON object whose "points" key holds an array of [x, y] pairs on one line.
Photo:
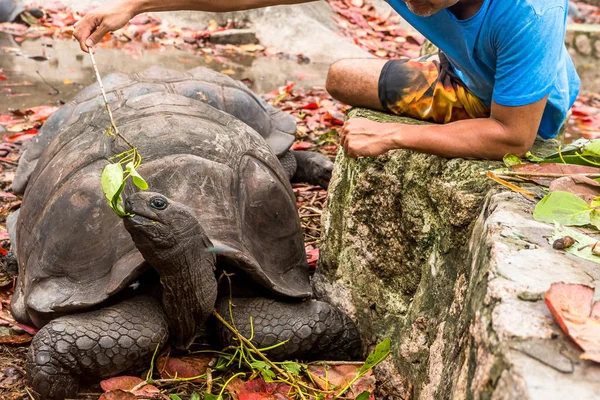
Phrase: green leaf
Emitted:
{"points": [[564, 208], [582, 248], [292, 368], [174, 397], [364, 396], [136, 177], [268, 375], [595, 202], [378, 355], [592, 148], [209, 396], [116, 204], [595, 218], [512, 160], [259, 365], [112, 179]]}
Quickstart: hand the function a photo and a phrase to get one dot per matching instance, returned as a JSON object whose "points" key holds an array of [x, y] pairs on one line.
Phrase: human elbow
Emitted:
{"points": [[515, 141]]}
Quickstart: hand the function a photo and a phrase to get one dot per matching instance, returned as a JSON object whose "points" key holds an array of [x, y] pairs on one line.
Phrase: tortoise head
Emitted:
{"points": [[158, 224], [173, 242]]}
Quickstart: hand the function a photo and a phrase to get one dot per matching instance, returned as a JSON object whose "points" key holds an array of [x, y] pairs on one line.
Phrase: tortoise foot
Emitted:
{"points": [[313, 329], [94, 344], [49, 378], [313, 168]]}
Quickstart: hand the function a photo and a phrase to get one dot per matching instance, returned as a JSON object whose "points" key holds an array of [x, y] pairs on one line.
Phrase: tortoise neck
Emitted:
{"points": [[189, 284]]}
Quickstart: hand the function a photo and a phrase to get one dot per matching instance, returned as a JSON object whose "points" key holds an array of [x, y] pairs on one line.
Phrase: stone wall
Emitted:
{"points": [[583, 42], [428, 252]]}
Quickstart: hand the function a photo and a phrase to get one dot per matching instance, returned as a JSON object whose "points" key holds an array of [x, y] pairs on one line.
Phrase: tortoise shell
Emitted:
{"points": [[73, 251], [206, 85]]}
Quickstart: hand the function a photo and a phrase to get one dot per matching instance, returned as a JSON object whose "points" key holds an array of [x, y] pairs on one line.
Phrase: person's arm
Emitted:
{"points": [[508, 130], [116, 14]]}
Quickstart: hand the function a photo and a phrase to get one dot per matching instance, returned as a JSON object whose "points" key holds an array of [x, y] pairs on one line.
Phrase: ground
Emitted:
{"points": [[42, 67]]}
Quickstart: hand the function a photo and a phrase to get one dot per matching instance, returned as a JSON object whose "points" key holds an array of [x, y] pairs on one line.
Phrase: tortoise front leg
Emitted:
{"points": [[94, 344], [313, 329]]}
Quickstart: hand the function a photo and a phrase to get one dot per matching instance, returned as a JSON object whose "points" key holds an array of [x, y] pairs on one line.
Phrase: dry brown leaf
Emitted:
{"points": [[581, 186]]}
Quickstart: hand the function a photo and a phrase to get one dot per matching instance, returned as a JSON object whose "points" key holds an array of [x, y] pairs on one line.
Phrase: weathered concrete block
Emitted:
{"points": [[428, 252], [234, 36]]}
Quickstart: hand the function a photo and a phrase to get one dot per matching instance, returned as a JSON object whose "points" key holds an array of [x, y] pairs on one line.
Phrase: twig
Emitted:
{"points": [[543, 174], [110, 115], [336, 363], [29, 393], [14, 164], [163, 382], [209, 380], [46, 82]]}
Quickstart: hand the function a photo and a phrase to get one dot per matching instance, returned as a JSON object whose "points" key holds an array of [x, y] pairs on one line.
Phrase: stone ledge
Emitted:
{"points": [[428, 252]]}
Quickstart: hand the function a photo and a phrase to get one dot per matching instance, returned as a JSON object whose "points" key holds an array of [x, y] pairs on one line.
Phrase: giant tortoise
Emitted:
{"points": [[216, 89], [106, 292]]}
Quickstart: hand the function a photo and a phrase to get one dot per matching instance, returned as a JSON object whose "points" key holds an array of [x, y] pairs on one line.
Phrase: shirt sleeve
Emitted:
{"points": [[528, 57]]}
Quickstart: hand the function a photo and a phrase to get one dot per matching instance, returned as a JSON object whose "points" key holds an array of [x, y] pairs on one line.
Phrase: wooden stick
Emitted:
{"points": [[543, 174], [110, 115]]}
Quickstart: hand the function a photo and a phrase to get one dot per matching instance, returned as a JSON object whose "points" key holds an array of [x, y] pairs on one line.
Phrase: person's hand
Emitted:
{"points": [[361, 137], [98, 22]]}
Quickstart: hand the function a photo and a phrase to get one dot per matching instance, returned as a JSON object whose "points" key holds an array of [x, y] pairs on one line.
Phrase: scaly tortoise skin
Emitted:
{"points": [[203, 84], [80, 265]]}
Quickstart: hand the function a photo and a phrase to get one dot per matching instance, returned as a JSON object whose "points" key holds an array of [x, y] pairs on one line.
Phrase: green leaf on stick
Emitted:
{"points": [[112, 180], [564, 208], [364, 396], [136, 177]]}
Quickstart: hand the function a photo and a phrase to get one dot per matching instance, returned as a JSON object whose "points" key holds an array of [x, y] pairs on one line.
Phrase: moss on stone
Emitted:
{"points": [[395, 246]]}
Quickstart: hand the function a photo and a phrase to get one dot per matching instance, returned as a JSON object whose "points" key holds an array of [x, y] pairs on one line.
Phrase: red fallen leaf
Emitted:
{"points": [[235, 387], [339, 376], [28, 329], [311, 106], [571, 306], [21, 137], [127, 383], [183, 367], [289, 87], [312, 256], [13, 28], [3, 77], [118, 395], [40, 113], [120, 383], [10, 120], [553, 169], [258, 389], [301, 146], [16, 339]]}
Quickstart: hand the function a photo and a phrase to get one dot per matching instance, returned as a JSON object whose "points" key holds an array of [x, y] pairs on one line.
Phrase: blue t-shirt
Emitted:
{"points": [[510, 51]]}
